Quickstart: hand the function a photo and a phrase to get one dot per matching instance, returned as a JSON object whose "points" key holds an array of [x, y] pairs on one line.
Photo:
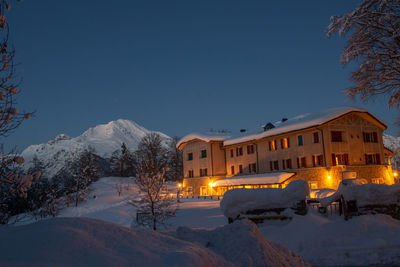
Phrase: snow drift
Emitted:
{"points": [[243, 244], [241, 200], [90, 242]]}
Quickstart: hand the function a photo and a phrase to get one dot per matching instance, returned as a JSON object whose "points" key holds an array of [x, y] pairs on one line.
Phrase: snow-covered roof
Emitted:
{"points": [[263, 178], [298, 123], [206, 137]]}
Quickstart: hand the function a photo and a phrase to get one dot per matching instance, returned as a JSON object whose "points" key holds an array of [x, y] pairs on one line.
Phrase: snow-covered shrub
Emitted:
{"points": [[241, 200]]}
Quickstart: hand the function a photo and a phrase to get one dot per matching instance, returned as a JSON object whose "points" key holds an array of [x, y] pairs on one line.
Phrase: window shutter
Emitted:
{"points": [[231, 153], [305, 162], [333, 159], [270, 166], [366, 159], [346, 159], [378, 159], [375, 137], [364, 137], [314, 161], [276, 144], [290, 163], [298, 163], [283, 164], [282, 143], [288, 142], [269, 144]]}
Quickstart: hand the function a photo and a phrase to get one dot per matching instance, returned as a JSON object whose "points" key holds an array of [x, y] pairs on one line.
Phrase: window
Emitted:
{"points": [[252, 168], [250, 149], [276, 165], [271, 168], [283, 164], [313, 184], [336, 136], [240, 169], [203, 172], [190, 190], [190, 156], [231, 153], [316, 137], [300, 140], [317, 160], [233, 170], [301, 162], [340, 159], [377, 180], [289, 163], [203, 190], [285, 143], [370, 137], [272, 145], [204, 154], [190, 173], [239, 151], [372, 159]]}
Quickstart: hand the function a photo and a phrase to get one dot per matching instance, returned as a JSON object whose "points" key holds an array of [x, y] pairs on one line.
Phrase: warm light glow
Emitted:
{"points": [[180, 185], [329, 177], [212, 184], [395, 174]]}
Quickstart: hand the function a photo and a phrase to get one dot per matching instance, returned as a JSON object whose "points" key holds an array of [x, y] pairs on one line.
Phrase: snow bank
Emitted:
{"points": [[243, 244], [321, 193], [370, 240], [90, 242], [365, 194], [237, 201]]}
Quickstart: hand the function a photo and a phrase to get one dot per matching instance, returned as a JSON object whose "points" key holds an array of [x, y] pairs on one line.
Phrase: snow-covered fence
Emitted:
{"points": [[334, 208], [360, 199], [266, 203]]}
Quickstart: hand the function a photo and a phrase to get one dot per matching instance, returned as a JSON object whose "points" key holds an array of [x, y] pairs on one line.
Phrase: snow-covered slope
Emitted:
{"points": [[104, 138]]}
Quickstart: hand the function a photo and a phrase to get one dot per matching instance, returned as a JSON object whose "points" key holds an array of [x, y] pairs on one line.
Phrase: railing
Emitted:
{"points": [[333, 209], [212, 197]]}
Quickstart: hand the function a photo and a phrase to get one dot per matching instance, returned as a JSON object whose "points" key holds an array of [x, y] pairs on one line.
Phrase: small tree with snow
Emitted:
{"points": [[154, 207]]}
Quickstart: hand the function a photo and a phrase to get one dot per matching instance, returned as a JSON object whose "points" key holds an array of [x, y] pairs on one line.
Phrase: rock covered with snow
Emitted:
{"points": [[241, 200], [104, 139], [90, 242], [243, 244]]}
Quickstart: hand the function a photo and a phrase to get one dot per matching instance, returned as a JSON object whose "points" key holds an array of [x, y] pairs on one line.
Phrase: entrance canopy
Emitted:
{"points": [[256, 179]]}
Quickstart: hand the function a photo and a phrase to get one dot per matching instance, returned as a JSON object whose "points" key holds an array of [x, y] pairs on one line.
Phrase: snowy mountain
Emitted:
{"points": [[104, 138]]}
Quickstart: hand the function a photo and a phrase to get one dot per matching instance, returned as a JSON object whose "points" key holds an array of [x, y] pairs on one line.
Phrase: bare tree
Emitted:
{"points": [[374, 44], [154, 206]]}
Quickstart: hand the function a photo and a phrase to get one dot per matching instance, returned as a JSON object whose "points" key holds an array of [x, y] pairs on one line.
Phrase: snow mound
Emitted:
{"points": [[241, 200], [243, 244], [90, 242], [365, 194]]}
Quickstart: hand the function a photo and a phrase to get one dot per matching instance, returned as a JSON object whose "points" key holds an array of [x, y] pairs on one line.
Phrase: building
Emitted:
{"points": [[322, 148]]}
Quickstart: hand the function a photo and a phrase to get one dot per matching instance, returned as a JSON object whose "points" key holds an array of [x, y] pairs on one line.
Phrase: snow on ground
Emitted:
{"points": [[322, 241], [242, 243], [90, 242]]}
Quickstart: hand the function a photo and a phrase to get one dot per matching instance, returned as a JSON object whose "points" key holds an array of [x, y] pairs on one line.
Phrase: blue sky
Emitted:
{"points": [[176, 66]]}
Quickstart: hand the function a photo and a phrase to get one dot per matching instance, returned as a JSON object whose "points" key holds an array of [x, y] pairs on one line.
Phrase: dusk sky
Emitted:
{"points": [[176, 66]]}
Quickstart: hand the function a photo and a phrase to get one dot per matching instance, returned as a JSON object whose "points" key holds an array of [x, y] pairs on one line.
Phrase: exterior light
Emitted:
{"points": [[211, 184], [395, 174], [180, 185], [329, 177]]}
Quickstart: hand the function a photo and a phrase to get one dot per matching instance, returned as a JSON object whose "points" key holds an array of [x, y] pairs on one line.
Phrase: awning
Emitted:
{"points": [[256, 179]]}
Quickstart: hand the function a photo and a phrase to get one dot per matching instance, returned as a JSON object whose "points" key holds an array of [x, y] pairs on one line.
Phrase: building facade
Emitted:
{"points": [[321, 148]]}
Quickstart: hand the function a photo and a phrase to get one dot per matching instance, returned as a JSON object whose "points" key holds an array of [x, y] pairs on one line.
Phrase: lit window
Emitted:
{"points": [[340, 159], [372, 159], [378, 180], [272, 145], [284, 142]]}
